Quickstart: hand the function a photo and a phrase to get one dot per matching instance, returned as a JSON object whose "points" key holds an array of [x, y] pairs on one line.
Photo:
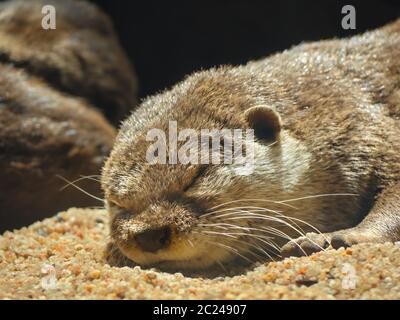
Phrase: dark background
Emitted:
{"points": [[167, 39]]}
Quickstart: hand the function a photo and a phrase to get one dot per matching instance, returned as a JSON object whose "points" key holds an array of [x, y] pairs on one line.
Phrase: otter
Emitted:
{"points": [[326, 119]]}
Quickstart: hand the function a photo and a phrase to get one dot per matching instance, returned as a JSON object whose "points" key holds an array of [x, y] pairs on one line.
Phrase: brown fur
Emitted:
{"points": [[340, 110]]}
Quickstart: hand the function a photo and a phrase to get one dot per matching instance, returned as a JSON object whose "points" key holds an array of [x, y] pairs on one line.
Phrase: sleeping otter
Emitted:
{"points": [[326, 119]]}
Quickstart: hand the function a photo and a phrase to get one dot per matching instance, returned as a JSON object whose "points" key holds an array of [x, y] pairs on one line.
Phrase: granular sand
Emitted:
{"points": [[62, 258]]}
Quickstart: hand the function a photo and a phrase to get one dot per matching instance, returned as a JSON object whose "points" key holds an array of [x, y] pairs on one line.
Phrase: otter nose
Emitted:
{"points": [[154, 240]]}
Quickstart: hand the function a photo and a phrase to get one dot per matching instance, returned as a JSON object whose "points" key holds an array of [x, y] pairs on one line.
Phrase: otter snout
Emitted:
{"points": [[154, 240], [155, 233]]}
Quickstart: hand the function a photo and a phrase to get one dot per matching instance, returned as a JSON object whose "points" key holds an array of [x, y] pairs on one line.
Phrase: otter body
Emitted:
{"points": [[326, 117]]}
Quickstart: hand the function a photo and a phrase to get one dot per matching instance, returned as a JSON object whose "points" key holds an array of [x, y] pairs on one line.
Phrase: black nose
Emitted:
{"points": [[154, 240]]}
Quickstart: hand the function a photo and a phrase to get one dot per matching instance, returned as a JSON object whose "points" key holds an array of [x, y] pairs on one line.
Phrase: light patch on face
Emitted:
{"points": [[296, 160], [185, 251], [243, 170], [279, 167]]}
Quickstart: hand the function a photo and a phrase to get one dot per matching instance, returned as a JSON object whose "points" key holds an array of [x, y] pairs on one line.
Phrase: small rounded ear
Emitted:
{"points": [[265, 121]]}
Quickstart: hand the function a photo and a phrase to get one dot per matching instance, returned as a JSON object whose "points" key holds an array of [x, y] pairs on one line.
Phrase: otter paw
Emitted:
{"points": [[314, 242], [350, 237], [306, 245]]}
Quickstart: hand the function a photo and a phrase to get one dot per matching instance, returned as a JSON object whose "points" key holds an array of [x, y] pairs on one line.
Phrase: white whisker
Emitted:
{"points": [[244, 200], [80, 179], [231, 249], [266, 239], [80, 189], [318, 196], [236, 208], [190, 242]]}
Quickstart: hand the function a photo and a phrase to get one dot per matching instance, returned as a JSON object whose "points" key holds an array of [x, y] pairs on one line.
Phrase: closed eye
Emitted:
{"points": [[199, 173]]}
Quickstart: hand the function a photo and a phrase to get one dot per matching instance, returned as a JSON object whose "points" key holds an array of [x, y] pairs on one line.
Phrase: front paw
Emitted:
{"points": [[314, 242], [306, 245], [350, 237]]}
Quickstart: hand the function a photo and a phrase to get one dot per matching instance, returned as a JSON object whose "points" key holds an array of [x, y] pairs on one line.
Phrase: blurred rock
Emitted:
{"points": [[53, 83], [44, 133], [81, 57]]}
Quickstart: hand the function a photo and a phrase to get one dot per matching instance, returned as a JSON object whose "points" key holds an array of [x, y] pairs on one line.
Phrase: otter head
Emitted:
{"points": [[195, 215]]}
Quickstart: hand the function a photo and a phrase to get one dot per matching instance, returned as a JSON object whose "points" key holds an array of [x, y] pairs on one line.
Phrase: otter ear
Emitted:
{"points": [[265, 121]]}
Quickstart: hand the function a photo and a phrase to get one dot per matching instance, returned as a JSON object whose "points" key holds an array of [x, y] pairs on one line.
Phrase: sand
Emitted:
{"points": [[62, 258]]}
